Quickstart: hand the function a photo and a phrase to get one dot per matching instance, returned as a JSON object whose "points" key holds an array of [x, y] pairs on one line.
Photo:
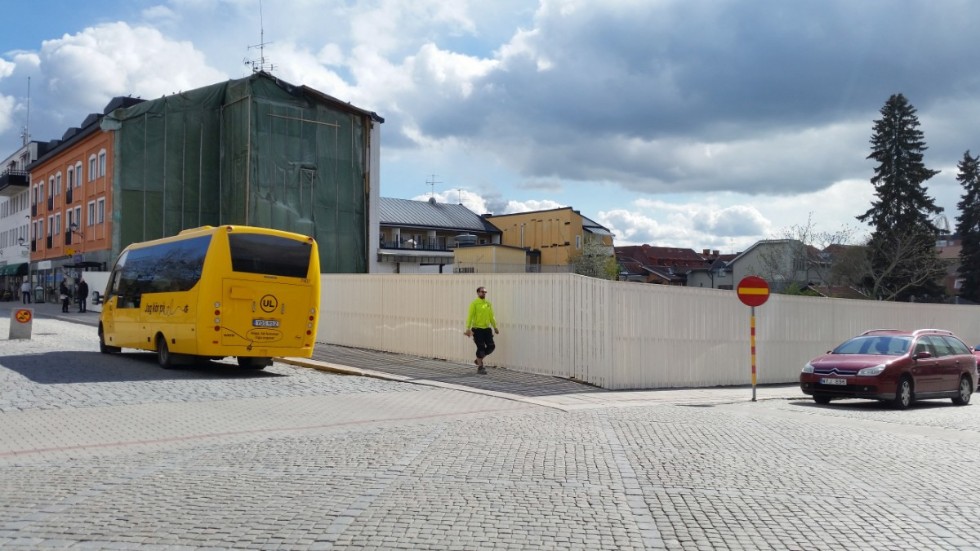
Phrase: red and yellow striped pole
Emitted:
{"points": [[752, 340], [753, 291]]}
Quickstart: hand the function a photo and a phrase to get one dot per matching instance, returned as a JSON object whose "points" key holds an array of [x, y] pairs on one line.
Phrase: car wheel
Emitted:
{"points": [[821, 398], [903, 394], [164, 357], [962, 397]]}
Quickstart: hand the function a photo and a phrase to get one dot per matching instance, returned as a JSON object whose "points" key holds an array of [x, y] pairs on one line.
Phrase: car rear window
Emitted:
{"points": [[957, 345]]}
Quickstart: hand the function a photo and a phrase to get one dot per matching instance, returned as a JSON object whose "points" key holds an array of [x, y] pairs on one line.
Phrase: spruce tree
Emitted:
{"points": [[903, 258], [968, 227]]}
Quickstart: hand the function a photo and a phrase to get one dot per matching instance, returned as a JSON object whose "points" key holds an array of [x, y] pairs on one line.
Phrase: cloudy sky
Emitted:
{"points": [[683, 123]]}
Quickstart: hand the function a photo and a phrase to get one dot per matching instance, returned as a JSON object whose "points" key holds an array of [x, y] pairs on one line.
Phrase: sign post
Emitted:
{"points": [[21, 323], [753, 291]]}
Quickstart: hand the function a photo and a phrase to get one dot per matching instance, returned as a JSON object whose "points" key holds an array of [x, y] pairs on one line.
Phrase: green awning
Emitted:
{"points": [[14, 269]]}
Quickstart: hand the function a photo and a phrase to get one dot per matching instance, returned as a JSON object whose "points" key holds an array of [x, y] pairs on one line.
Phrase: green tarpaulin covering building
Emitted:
{"points": [[254, 151]]}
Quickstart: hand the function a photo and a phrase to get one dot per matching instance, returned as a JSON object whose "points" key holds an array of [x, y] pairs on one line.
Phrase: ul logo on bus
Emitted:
{"points": [[269, 303]]}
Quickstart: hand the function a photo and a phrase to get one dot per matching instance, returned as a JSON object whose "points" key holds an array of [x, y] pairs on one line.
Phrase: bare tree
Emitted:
{"points": [[802, 254], [902, 260]]}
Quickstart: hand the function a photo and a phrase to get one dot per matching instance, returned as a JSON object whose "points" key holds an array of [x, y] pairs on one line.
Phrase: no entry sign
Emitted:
{"points": [[753, 291]]}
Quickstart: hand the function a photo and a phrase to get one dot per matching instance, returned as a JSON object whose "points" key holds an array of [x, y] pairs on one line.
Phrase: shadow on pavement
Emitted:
{"points": [[93, 367], [428, 369]]}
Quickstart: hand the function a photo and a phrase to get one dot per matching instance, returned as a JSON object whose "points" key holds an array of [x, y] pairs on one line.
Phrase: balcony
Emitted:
{"points": [[13, 182]]}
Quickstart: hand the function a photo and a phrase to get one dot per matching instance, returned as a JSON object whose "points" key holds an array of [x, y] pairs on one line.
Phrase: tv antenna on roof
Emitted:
{"points": [[25, 134], [432, 184], [261, 64]]}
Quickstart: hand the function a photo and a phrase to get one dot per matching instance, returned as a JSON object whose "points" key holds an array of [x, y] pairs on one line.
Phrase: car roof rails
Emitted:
{"points": [[869, 331], [923, 331]]}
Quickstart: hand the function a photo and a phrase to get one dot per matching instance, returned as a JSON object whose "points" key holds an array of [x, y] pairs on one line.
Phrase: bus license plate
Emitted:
{"points": [[829, 381], [265, 323]]}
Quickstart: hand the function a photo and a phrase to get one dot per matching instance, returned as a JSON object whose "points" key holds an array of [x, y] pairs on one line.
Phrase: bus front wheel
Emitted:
{"points": [[254, 363], [164, 357], [103, 347]]}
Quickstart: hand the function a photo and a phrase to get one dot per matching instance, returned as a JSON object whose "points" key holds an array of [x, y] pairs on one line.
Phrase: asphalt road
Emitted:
{"points": [[113, 452]]}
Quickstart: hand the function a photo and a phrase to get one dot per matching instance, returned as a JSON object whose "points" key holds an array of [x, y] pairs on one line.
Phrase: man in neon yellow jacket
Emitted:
{"points": [[479, 322]]}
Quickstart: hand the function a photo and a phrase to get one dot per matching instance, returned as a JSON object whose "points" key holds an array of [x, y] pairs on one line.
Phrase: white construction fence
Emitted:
{"points": [[611, 334]]}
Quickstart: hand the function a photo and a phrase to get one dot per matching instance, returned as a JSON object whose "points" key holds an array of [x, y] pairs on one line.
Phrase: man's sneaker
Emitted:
{"points": [[481, 370]]}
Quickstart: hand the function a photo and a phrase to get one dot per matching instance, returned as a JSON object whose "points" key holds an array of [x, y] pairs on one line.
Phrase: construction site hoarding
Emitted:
{"points": [[254, 151]]}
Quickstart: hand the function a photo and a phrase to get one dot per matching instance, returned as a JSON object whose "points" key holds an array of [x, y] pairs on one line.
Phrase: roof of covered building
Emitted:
{"points": [[431, 214]]}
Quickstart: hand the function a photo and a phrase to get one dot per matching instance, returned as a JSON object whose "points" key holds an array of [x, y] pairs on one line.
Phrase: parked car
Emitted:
{"points": [[894, 366]]}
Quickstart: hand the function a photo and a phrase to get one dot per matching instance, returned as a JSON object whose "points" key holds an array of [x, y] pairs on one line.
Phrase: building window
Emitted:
{"points": [[57, 184], [78, 174], [50, 225], [100, 211], [101, 163], [78, 216], [91, 213], [50, 187], [70, 182], [57, 223], [91, 168]]}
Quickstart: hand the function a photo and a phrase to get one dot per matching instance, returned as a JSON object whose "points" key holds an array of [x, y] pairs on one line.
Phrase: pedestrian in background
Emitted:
{"points": [[481, 325], [82, 294], [25, 291], [65, 296]]}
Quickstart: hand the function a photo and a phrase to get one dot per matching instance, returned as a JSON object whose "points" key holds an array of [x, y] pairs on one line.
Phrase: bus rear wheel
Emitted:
{"points": [[254, 363], [164, 357]]}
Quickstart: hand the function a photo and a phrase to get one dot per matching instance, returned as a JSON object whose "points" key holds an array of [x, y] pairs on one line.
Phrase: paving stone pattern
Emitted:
{"points": [[102, 452]]}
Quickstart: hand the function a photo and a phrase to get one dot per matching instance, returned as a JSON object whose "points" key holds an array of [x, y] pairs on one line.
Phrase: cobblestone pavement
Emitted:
{"points": [[112, 452]]}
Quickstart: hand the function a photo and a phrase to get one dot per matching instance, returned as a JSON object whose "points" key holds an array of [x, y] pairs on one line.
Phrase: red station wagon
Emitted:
{"points": [[894, 366]]}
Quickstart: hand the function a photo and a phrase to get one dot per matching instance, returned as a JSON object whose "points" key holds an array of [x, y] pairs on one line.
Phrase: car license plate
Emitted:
{"points": [[265, 323], [829, 381]]}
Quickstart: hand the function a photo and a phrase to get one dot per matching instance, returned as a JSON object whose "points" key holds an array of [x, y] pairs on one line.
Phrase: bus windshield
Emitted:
{"points": [[269, 255]]}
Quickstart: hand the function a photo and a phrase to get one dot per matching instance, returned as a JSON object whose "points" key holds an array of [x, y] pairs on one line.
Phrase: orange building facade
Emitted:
{"points": [[71, 204]]}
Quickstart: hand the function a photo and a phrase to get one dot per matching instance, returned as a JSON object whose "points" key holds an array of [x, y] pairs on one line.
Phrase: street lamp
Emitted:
{"points": [[74, 229], [20, 241]]}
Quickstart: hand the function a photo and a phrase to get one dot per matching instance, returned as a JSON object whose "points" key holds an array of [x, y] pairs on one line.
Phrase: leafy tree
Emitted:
{"points": [[968, 226], [595, 260], [903, 258]]}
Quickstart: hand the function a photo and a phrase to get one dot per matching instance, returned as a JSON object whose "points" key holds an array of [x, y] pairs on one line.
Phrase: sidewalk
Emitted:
{"points": [[543, 390], [52, 310]]}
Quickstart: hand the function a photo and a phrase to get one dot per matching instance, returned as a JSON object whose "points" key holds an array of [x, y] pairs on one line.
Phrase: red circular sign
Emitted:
{"points": [[753, 291], [23, 315]]}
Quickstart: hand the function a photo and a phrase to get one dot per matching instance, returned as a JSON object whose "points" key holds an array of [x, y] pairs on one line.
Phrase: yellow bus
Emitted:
{"points": [[214, 292]]}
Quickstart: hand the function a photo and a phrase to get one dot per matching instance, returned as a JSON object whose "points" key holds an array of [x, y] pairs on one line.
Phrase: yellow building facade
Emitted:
{"points": [[557, 234]]}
